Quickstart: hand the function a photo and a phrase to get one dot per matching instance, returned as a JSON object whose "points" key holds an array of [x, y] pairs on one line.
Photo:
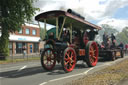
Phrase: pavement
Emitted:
{"points": [[123, 82]]}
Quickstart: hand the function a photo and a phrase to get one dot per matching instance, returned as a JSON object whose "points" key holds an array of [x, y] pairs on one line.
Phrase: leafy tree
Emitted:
{"points": [[125, 31], [14, 13], [123, 36], [120, 36], [108, 29], [42, 33]]}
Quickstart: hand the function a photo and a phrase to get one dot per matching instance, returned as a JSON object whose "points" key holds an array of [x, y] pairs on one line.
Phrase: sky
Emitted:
{"points": [[112, 12]]}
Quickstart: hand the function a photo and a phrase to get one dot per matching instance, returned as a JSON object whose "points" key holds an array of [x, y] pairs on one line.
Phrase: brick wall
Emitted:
{"points": [[30, 31]]}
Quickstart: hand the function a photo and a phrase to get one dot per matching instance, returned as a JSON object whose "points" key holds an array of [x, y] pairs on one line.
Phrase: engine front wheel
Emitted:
{"points": [[91, 53], [69, 59], [48, 59]]}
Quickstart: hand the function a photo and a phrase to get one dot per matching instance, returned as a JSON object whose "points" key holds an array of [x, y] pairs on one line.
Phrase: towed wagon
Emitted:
{"points": [[111, 53]]}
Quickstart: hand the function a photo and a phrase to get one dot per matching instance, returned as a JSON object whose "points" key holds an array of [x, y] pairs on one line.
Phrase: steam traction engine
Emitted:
{"points": [[69, 41]]}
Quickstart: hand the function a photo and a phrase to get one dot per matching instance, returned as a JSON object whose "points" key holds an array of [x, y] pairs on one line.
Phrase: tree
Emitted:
{"points": [[14, 13], [42, 33], [108, 29], [123, 36], [125, 31], [120, 36]]}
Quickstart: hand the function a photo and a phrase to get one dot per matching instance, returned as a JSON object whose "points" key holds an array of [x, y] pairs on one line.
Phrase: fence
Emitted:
{"points": [[27, 57], [20, 57]]}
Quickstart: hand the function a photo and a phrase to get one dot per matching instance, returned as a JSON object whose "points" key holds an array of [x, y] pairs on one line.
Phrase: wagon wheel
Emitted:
{"points": [[69, 59], [113, 56], [122, 53], [91, 53], [48, 59]]}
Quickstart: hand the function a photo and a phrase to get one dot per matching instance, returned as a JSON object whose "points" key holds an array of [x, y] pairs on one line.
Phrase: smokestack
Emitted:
{"points": [[76, 14]]}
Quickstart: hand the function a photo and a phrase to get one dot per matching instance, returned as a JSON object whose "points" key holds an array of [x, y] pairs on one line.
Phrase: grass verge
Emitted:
{"points": [[108, 76], [18, 60]]}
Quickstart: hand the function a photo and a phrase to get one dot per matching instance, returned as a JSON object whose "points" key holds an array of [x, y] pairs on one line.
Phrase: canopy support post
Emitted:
{"points": [[70, 33], [44, 28], [57, 27], [62, 28]]}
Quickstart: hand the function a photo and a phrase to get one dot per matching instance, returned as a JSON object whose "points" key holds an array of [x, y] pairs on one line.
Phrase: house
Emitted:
{"points": [[28, 37]]}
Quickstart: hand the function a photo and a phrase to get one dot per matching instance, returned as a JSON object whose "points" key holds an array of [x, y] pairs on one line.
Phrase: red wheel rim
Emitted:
{"points": [[69, 60], [49, 59], [93, 54]]}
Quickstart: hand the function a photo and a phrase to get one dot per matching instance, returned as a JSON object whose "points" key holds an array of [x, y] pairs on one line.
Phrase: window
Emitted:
{"points": [[27, 31], [10, 45], [19, 47], [36, 47], [33, 32], [20, 32]]}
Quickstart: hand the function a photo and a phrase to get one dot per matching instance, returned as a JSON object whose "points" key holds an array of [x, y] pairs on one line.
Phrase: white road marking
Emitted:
{"points": [[108, 64], [43, 83], [15, 67], [22, 68], [88, 71], [65, 77], [1, 77], [57, 79]]}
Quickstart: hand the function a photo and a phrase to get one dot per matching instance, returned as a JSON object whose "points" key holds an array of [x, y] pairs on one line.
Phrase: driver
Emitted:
{"points": [[92, 34], [66, 36], [51, 36]]}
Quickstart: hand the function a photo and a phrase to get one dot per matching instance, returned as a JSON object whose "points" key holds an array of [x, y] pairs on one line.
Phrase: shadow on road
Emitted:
{"points": [[24, 72], [59, 70], [39, 70]]}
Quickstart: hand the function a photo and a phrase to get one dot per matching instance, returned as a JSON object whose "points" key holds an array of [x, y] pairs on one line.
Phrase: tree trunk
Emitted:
{"points": [[4, 50], [4, 40]]}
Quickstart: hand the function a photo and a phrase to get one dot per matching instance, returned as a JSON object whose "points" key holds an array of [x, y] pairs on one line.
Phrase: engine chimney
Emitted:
{"points": [[76, 14]]}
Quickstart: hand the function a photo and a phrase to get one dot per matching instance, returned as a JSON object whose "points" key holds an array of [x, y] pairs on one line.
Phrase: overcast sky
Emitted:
{"points": [[112, 12]]}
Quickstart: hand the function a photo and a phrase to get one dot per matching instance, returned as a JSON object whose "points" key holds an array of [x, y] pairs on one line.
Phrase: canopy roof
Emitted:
{"points": [[76, 22]]}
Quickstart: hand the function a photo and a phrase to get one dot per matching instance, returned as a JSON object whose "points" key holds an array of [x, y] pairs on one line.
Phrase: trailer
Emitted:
{"points": [[72, 39], [111, 53]]}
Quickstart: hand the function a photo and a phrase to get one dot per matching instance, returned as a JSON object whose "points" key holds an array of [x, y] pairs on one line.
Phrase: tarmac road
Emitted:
{"points": [[31, 73]]}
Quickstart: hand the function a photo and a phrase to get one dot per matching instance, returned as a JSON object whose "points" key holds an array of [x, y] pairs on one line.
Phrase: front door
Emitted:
{"points": [[31, 47]]}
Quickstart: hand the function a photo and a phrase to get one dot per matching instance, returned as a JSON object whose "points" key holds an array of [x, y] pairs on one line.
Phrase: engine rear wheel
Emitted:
{"points": [[91, 53], [48, 59], [69, 59]]}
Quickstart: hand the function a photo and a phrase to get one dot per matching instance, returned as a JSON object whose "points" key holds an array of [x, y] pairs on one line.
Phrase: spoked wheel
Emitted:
{"points": [[48, 59], [69, 59], [91, 53]]}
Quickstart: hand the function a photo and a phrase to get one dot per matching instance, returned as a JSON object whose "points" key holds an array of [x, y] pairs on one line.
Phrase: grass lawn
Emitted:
{"points": [[18, 60]]}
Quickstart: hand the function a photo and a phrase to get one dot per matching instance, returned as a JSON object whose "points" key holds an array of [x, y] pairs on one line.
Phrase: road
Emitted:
{"points": [[31, 73]]}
